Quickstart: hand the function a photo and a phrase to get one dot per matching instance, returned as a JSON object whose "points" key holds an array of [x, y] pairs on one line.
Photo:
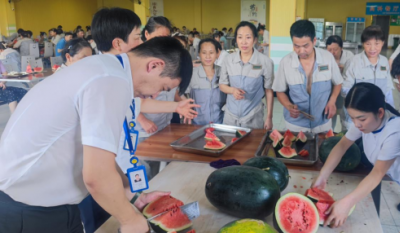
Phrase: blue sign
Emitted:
{"points": [[383, 8], [355, 20]]}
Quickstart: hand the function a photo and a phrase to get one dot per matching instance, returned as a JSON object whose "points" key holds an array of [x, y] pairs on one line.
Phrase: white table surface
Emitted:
{"points": [[187, 180]]}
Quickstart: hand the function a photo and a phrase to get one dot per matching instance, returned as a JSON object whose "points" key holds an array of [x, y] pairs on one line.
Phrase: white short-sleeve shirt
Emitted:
{"points": [[41, 149], [346, 55], [383, 144]]}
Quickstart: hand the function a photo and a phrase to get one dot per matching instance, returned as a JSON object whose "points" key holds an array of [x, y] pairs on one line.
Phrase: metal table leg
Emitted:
{"points": [[162, 165], [376, 196]]}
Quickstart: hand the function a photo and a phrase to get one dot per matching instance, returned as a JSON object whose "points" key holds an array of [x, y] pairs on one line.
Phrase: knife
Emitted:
{"points": [[191, 210]]}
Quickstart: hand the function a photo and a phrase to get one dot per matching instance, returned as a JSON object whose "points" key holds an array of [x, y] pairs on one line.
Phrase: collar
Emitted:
{"points": [[296, 61], [202, 72], [253, 60], [382, 126], [366, 62]]}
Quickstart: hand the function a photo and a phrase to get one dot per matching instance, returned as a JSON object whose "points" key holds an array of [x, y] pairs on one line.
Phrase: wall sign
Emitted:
{"points": [[383, 8], [355, 20], [253, 11], [156, 7]]}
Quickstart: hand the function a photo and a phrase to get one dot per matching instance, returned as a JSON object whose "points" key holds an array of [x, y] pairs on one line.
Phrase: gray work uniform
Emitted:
{"points": [[253, 78], [162, 120], [206, 93], [291, 75], [360, 70]]}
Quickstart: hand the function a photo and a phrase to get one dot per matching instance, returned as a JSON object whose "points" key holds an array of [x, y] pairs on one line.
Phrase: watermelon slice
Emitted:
{"points": [[209, 129], [301, 140], [55, 67], [275, 134], [329, 134], [234, 140], [304, 153], [287, 152], [240, 133], [29, 69], [211, 136], [214, 145], [294, 213], [316, 194], [290, 135], [38, 69], [174, 220], [324, 206], [287, 142]]}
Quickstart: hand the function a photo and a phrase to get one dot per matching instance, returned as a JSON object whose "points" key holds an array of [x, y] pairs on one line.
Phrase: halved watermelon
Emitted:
{"points": [[240, 133], [316, 194], [247, 226], [211, 136], [275, 134], [301, 140], [214, 145], [287, 152], [287, 142], [294, 213], [234, 140], [304, 153], [289, 134], [172, 221], [329, 134]]}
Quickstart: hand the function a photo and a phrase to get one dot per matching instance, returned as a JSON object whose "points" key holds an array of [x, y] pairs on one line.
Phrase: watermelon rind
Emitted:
{"points": [[240, 133], [287, 152], [312, 193], [276, 143], [211, 136], [301, 137], [247, 225], [214, 145], [159, 227], [278, 218]]}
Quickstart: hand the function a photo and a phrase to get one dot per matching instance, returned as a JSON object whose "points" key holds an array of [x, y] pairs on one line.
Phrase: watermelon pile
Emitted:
{"points": [[173, 221], [212, 141], [287, 144]]}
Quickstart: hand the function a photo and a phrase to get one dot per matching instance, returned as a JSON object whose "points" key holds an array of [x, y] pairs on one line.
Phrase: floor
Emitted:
{"points": [[390, 216]]}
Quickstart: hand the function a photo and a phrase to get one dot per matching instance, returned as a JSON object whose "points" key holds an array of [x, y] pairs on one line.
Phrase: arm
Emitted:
{"points": [[330, 108], [224, 84], [148, 125], [349, 77], [269, 95], [284, 100], [183, 108], [106, 186]]}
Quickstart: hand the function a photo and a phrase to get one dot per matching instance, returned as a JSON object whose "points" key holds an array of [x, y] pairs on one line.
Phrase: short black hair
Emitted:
{"points": [[108, 24], [29, 33], [88, 28], [372, 32], [335, 39], [54, 30], [89, 37], [155, 22], [20, 30], [216, 35], [42, 33], [178, 62], [68, 34], [217, 45], [196, 33], [260, 27], [25, 34], [59, 27], [302, 28], [2, 46], [182, 38], [223, 29], [396, 67], [73, 47], [246, 24]]}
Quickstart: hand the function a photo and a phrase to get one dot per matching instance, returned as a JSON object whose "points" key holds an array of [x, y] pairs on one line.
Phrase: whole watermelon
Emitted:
{"points": [[350, 160], [243, 191], [273, 166]]}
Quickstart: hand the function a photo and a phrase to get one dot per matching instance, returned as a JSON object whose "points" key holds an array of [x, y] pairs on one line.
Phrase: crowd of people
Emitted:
{"points": [[146, 76]]}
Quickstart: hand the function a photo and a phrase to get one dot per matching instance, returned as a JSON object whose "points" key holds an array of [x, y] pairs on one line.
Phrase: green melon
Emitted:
{"points": [[350, 160]]}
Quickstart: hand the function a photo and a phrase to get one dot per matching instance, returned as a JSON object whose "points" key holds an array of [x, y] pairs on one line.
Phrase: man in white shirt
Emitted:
{"points": [[72, 151]]}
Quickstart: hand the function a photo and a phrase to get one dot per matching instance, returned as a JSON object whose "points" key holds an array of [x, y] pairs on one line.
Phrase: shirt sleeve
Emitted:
{"points": [[224, 77], [337, 78], [280, 84], [18, 44], [348, 77], [102, 106], [353, 134], [268, 74], [390, 148], [395, 53]]}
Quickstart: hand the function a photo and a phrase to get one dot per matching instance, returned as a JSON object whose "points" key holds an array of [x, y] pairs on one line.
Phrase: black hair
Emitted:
{"points": [[396, 67], [108, 24], [178, 62], [221, 34], [20, 30], [367, 97], [246, 24], [182, 38], [2, 46], [223, 29], [372, 32], [25, 34], [78, 27], [68, 34], [29, 33], [89, 37], [184, 27], [302, 28], [212, 41], [73, 47], [59, 27], [230, 29], [215, 35], [154, 23], [335, 39], [194, 29], [60, 31], [88, 28], [196, 33], [54, 30], [260, 27], [42, 33]]}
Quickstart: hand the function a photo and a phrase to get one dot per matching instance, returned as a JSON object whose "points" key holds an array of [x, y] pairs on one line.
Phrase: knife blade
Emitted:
{"points": [[191, 210]]}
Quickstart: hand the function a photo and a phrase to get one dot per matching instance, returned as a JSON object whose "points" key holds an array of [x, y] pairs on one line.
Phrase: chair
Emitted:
{"points": [[24, 49], [48, 49], [25, 60], [34, 50], [56, 61]]}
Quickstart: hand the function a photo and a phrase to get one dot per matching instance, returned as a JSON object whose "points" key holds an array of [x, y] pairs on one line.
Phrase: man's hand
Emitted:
{"points": [[238, 94], [185, 108], [147, 124], [330, 109], [338, 213], [146, 198], [268, 124], [294, 112]]}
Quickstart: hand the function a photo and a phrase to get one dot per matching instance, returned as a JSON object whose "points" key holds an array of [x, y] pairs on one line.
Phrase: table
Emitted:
{"points": [[30, 79], [190, 187]]}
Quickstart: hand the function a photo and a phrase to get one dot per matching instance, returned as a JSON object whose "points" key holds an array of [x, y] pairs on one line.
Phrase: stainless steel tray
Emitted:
{"points": [[265, 149], [194, 142]]}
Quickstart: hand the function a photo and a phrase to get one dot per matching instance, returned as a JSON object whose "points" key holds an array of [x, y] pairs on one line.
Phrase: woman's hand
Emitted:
{"points": [[320, 182], [238, 94], [146, 198], [338, 212], [268, 124]]}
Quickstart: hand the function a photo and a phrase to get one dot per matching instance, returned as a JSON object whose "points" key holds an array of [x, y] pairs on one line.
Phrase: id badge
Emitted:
{"points": [[137, 178], [134, 134]]}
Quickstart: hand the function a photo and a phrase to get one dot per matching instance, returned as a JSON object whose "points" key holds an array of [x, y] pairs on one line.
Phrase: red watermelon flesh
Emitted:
{"points": [[211, 136], [214, 145], [275, 134], [276, 143], [301, 137], [287, 152], [322, 207], [174, 220], [160, 205], [329, 134], [210, 130], [38, 69], [234, 140], [317, 194], [287, 142], [290, 135], [295, 213]]}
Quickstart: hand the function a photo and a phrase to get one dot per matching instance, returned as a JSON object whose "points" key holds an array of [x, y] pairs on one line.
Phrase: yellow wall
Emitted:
{"points": [[283, 15], [41, 15], [128, 4], [205, 14], [301, 8], [7, 17], [339, 10]]}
